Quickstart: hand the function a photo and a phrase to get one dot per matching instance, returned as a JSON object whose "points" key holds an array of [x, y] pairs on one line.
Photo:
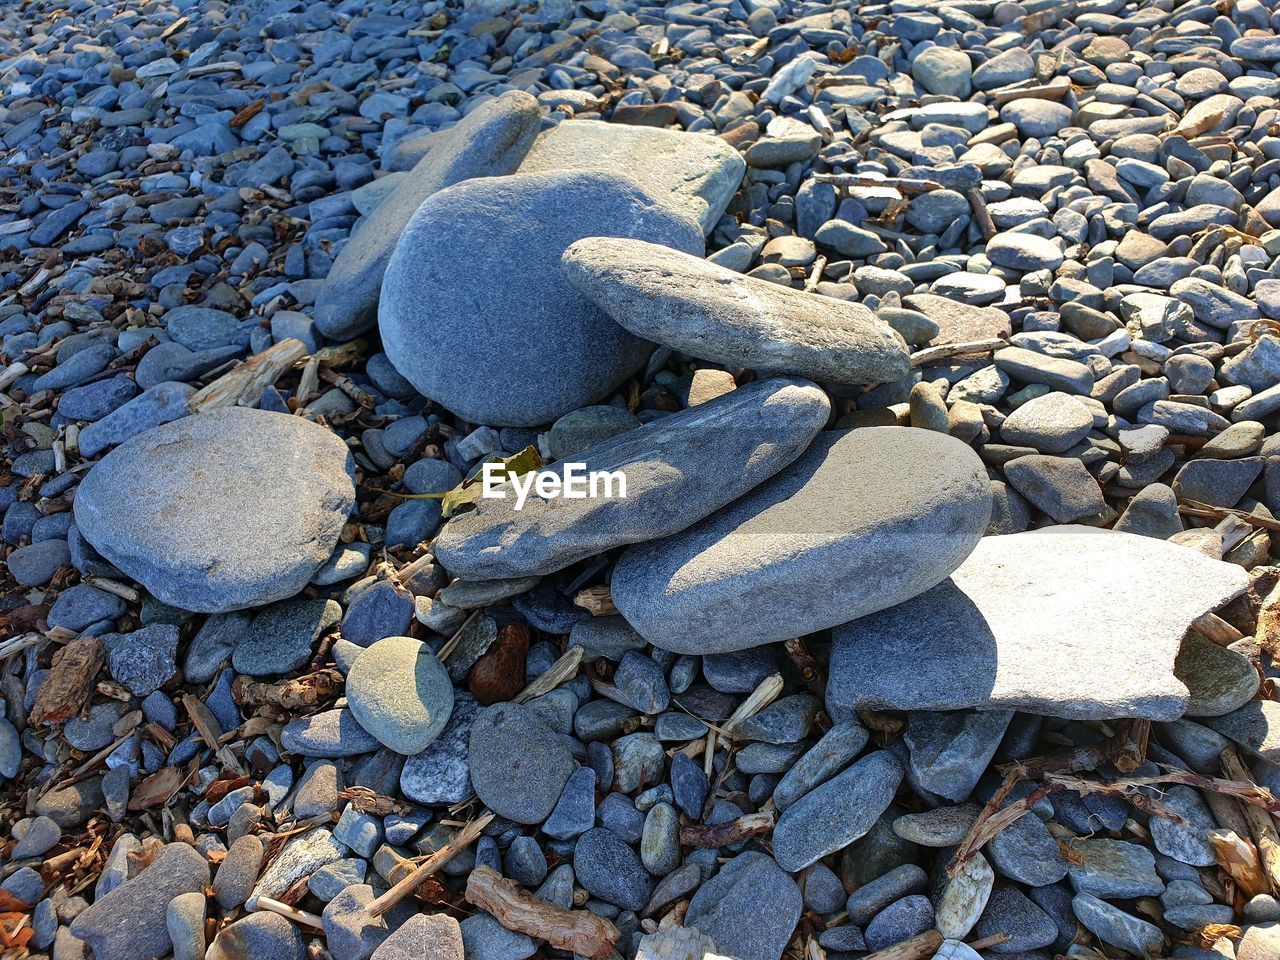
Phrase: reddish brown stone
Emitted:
{"points": [[499, 675]]}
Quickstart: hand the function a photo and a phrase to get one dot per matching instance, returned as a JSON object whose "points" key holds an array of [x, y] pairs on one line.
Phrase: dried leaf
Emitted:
{"points": [[156, 789]]}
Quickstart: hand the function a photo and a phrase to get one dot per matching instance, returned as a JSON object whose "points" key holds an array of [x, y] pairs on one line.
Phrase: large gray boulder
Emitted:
{"points": [[477, 314], [863, 520], [223, 510], [739, 439], [489, 141], [694, 174], [708, 311], [1069, 621]]}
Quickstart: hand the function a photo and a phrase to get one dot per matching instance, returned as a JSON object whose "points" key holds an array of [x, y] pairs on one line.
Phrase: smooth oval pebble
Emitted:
{"points": [[865, 519], [223, 510], [518, 764], [400, 692]]}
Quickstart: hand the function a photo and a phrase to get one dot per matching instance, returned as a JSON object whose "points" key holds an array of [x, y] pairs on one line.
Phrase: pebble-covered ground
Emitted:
{"points": [[938, 344]]}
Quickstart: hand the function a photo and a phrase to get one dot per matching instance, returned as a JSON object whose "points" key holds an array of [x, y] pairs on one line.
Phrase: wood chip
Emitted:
{"points": [[66, 690]]}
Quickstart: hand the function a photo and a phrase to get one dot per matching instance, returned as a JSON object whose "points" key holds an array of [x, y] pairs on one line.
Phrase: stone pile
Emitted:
{"points": [[936, 344]]}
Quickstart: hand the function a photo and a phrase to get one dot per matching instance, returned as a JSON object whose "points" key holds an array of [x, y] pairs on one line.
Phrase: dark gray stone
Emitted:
{"points": [[743, 437], [518, 764]]}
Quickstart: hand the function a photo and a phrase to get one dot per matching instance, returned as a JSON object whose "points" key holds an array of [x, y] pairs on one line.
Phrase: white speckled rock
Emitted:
{"points": [[1069, 621]]}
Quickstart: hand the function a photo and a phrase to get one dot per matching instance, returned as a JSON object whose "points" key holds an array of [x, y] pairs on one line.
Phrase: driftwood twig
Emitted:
{"points": [[577, 931], [723, 834], [463, 839]]}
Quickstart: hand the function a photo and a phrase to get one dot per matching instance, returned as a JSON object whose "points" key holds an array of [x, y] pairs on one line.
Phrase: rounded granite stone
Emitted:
{"points": [[508, 341], [222, 510], [863, 520], [400, 692]]}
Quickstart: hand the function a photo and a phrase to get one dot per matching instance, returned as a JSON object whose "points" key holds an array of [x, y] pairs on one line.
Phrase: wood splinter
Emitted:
{"points": [[578, 931], [463, 839], [723, 834]]}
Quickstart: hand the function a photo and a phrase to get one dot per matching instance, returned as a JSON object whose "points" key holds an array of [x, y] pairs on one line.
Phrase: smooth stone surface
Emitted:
{"points": [[694, 174], [708, 311], [196, 510], [518, 764], [1004, 631], [728, 908], [744, 437], [510, 342], [836, 813], [489, 141], [1219, 680], [400, 692], [863, 520], [129, 922]]}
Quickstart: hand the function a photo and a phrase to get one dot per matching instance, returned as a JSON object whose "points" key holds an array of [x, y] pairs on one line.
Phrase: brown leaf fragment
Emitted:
{"points": [[70, 681], [156, 789], [247, 114]]}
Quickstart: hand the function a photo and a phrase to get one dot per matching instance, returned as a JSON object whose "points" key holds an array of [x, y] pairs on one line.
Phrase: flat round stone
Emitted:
{"points": [[223, 510], [519, 765], [400, 692], [865, 519], [1053, 423]]}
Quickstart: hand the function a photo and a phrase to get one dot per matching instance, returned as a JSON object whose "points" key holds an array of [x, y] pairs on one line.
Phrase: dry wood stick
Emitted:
{"points": [[723, 834], [559, 672], [1216, 630], [1260, 824], [206, 725], [577, 931], [948, 350], [245, 383], [463, 839], [920, 947], [1239, 858], [291, 913]]}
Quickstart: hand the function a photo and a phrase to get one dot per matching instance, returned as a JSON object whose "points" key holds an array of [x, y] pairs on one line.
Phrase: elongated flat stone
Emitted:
{"points": [[1070, 621], [489, 141], [708, 311], [739, 439], [838, 812], [865, 519], [693, 173]]}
